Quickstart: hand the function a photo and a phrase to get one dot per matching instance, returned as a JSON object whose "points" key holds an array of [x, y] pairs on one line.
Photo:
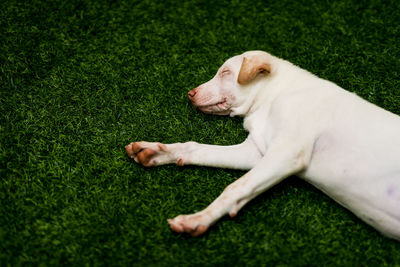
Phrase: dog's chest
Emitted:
{"points": [[257, 125]]}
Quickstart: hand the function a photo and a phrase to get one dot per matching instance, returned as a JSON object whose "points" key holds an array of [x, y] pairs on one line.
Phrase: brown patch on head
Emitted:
{"points": [[252, 66]]}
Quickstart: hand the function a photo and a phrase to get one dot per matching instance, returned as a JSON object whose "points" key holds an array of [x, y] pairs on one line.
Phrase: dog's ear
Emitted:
{"points": [[251, 67]]}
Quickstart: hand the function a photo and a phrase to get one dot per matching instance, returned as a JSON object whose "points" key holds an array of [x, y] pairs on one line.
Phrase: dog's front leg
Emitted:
{"points": [[243, 156], [281, 160]]}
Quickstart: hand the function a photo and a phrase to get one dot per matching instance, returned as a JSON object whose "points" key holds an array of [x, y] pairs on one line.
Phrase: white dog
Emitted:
{"points": [[298, 124]]}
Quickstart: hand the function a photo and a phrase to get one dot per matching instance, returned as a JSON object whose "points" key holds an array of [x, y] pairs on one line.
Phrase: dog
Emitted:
{"points": [[298, 124]]}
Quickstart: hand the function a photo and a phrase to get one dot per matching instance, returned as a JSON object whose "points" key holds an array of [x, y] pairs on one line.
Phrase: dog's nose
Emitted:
{"points": [[192, 93]]}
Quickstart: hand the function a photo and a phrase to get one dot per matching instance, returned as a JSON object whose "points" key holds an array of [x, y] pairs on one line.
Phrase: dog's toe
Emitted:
{"points": [[145, 156], [129, 150]]}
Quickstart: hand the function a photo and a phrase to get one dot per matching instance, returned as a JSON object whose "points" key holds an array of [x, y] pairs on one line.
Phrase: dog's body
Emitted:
{"points": [[298, 124]]}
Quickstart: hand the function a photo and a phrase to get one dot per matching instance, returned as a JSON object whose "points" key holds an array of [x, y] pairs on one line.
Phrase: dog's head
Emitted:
{"points": [[228, 90]]}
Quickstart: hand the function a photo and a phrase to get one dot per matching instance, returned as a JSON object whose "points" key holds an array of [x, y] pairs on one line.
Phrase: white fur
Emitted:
{"points": [[298, 124]]}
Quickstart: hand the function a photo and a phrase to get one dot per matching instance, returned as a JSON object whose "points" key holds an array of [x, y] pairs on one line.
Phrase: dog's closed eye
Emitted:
{"points": [[225, 72]]}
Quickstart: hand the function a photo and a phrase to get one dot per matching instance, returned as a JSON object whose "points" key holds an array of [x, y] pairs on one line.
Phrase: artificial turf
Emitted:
{"points": [[81, 79]]}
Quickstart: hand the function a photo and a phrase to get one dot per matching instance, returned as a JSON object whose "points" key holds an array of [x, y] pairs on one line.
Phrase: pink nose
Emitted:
{"points": [[192, 93]]}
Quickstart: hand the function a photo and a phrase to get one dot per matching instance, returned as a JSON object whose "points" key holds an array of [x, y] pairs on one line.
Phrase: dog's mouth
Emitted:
{"points": [[221, 108]]}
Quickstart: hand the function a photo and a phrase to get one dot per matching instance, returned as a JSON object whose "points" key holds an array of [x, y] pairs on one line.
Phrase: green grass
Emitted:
{"points": [[80, 80]]}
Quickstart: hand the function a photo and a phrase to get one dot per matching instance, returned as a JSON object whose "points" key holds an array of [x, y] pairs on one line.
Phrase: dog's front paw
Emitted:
{"points": [[195, 224], [146, 153]]}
